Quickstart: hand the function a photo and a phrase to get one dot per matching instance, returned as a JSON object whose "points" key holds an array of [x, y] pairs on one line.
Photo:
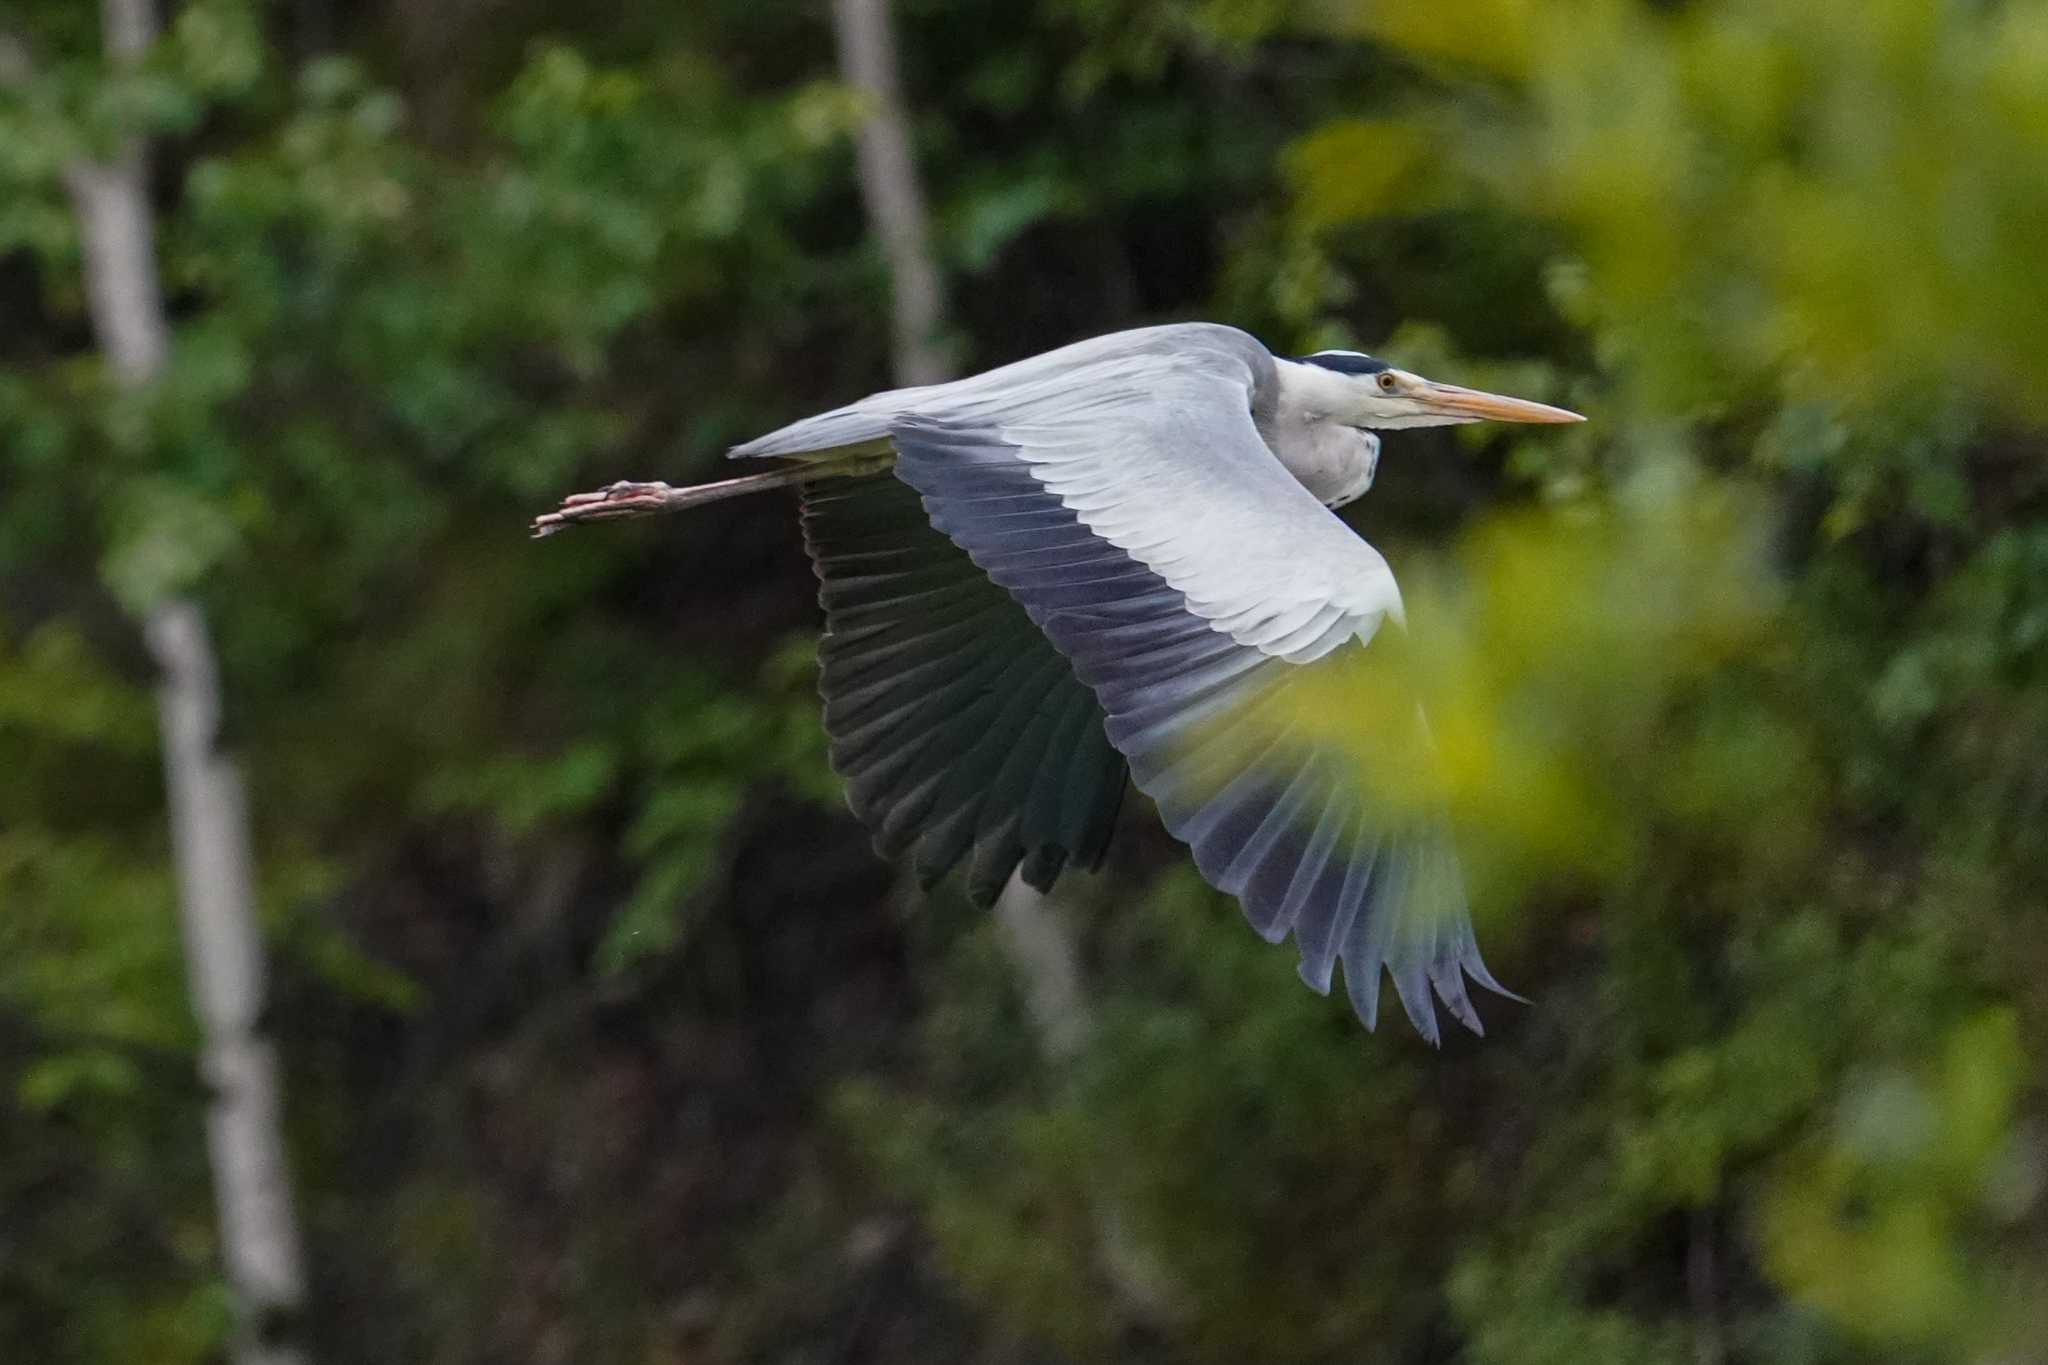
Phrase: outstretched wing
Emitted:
{"points": [[1135, 513], [961, 732]]}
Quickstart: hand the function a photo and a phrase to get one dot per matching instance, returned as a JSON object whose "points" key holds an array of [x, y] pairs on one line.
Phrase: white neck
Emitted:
{"points": [[1309, 432]]}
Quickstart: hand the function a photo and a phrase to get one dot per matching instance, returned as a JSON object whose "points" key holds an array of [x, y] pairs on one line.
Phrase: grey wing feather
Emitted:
{"points": [[961, 733]]}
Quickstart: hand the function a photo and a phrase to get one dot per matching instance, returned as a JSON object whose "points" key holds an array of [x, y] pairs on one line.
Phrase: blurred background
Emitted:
{"points": [[603, 1037]]}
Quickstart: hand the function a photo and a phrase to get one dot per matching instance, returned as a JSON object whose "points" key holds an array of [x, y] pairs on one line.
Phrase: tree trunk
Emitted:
{"points": [[1034, 933], [890, 188], [224, 962], [208, 812], [1040, 946]]}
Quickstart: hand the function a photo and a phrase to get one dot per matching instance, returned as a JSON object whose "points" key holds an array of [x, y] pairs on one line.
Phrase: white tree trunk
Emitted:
{"points": [[1033, 931], [224, 962], [209, 815], [891, 190], [1040, 946], [119, 249]]}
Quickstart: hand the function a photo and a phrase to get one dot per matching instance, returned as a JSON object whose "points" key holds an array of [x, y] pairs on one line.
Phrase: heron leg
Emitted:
{"points": [[626, 498]]}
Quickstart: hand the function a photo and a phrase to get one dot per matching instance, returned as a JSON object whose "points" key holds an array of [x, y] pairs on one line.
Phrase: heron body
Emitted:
{"points": [[1093, 563]]}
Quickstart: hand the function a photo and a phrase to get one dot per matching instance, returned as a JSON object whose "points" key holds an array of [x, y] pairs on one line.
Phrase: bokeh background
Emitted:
{"points": [[604, 1038]]}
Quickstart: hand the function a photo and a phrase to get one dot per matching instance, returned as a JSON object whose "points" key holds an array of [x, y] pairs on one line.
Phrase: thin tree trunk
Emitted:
{"points": [[1034, 933], [15, 65], [1040, 945], [224, 962], [1036, 939], [209, 815], [891, 190]]}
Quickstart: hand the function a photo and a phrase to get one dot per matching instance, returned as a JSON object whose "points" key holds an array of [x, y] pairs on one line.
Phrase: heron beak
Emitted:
{"points": [[1471, 405]]}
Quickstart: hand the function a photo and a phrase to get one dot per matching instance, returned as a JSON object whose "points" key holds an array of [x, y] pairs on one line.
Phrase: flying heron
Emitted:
{"points": [[1083, 565]]}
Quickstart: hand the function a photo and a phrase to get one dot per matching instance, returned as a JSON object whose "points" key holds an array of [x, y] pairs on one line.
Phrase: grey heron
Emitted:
{"points": [[1079, 566]]}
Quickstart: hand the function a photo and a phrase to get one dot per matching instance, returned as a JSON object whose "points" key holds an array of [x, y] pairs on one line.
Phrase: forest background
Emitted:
{"points": [[602, 1035]]}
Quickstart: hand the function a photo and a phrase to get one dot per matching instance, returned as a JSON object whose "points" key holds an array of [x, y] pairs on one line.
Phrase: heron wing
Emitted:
{"points": [[1135, 513], [962, 733]]}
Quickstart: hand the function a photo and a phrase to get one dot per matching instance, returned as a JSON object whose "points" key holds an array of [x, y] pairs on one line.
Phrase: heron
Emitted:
{"points": [[1065, 575]]}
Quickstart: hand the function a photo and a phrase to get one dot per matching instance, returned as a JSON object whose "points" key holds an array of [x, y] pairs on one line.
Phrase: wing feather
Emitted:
{"points": [[962, 734]]}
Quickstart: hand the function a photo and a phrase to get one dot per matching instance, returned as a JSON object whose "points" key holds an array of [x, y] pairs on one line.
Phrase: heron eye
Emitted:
{"points": [[1387, 381]]}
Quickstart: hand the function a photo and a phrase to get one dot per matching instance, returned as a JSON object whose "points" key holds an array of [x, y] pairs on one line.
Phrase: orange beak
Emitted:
{"points": [[1472, 405]]}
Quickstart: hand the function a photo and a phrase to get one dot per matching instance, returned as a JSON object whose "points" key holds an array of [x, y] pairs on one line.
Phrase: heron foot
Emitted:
{"points": [[613, 502]]}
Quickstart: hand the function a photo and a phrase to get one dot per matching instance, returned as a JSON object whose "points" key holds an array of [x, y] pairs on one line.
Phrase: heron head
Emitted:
{"points": [[1378, 395]]}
